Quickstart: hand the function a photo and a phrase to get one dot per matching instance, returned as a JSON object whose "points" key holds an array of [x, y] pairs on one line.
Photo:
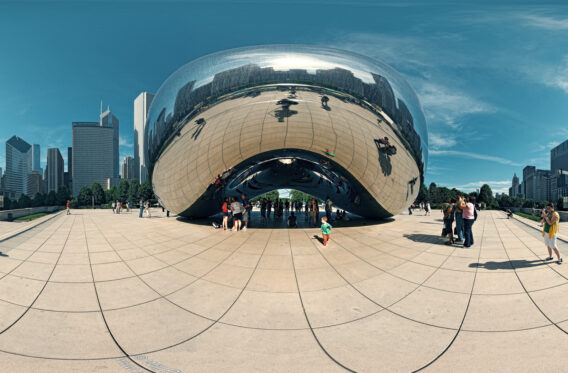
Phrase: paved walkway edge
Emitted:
{"points": [[39, 222]]}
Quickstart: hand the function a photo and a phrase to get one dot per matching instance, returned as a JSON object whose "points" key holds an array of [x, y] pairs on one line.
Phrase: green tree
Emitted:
{"points": [[433, 192], [7, 203], [109, 195], [62, 196], [85, 196], [98, 193], [123, 188], [133, 191], [486, 195], [38, 200], [145, 191], [24, 201], [50, 199], [422, 194]]}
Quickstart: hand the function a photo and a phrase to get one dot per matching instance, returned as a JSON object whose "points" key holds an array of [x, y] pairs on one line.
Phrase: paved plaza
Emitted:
{"points": [[97, 292]]}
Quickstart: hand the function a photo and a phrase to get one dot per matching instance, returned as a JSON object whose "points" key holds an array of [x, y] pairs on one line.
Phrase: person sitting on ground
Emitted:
{"points": [[292, 223], [509, 213]]}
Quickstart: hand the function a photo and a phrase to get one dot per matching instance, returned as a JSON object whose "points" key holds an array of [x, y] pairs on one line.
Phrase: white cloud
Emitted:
{"points": [[448, 105], [439, 141], [484, 157], [123, 142], [500, 186], [545, 22]]}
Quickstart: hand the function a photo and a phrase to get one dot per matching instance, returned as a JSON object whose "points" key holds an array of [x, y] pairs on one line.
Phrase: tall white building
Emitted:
{"points": [[18, 166], [55, 169], [93, 154], [141, 107]]}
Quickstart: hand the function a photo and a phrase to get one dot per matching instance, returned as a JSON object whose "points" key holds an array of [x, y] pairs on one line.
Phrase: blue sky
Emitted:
{"points": [[492, 78]]}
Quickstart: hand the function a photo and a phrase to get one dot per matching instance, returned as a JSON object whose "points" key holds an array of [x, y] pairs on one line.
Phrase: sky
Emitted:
{"points": [[492, 77]]}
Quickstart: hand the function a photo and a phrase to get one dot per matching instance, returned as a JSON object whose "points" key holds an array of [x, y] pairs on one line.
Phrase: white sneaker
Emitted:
{"points": [[244, 229]]}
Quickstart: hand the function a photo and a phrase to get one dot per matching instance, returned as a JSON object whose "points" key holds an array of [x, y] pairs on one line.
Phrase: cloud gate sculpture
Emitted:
{"points": [[255, 119]]}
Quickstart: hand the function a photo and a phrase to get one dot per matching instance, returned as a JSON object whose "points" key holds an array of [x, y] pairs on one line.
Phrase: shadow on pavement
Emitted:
{"points": [[426, 238], [509, 264]]}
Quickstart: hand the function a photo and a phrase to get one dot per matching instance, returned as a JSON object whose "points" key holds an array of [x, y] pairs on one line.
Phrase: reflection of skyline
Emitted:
{"points": [[189, 98]]}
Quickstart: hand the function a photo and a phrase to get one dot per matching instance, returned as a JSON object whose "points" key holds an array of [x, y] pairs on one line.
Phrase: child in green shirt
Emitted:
{"points": [[325, 230]]}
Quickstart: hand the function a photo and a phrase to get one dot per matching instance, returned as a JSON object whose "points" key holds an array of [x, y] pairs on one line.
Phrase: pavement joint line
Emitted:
{"points": [[306, 314], [214, 321], [100, 306], [523, 285], [466, 308], [11, 235], [45, 283]]}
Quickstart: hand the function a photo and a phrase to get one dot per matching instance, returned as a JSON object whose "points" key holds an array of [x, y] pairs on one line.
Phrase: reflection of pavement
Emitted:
{"points": [[177, 295]]}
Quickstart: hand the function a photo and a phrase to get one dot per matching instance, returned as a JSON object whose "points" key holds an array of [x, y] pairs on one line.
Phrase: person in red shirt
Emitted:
{"points": [[68, 211], [225, 210]]}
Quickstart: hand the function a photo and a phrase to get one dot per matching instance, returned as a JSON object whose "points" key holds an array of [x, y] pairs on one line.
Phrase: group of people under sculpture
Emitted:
{"points": [[464, 212], [239, 210]]}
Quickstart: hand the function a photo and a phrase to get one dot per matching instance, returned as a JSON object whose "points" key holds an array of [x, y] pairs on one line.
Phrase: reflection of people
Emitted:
{"points": [[550, 231], [292, 223]]}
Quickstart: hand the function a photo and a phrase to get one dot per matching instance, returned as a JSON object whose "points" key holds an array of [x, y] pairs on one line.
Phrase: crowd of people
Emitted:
{"points": [[463, 211]]}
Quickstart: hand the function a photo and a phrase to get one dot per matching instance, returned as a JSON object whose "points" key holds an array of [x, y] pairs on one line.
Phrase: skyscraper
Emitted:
{"points": [[69, 181], [141, 107], [127, 168], [109, 120], [36, 159], [18, 166], [93, 154], [55, 169], [559, 157]]}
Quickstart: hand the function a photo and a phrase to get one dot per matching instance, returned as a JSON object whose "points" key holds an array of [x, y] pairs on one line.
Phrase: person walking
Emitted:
{"points": [[469, 214], [428, 209], [67, 206], [141, 208], [268, 208], [550, 231], [328, 207], [325, 230], [459, 221], [147, 209], [263, 210], [113, 206]]}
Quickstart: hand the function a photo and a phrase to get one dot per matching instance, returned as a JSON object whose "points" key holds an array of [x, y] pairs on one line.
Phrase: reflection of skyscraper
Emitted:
{"points": [[141, 107], [108, 119], [18, 165], [93, 154], [55, 170], [559, 157]]}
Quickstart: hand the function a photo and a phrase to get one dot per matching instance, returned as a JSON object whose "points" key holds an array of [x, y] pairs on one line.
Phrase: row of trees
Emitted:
{"points": [[437, 195], [126, 191], [52, 198]]}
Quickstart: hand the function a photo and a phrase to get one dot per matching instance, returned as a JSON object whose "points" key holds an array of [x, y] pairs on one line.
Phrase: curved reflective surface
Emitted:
{"points": [[286, 95]]}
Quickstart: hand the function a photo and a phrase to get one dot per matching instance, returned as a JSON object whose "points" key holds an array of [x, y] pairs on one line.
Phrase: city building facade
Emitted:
{"points": [[127, 171], [68, 180], [36, 158], [55, 170], [559, 157], [141, 108], [34, 183], [18, 166], [109, 120], [93, 154]]}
